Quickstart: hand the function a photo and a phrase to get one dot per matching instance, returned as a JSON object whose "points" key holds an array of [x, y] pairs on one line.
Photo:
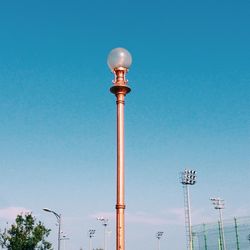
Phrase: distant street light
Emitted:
{"points": [[64, 238], [188, 177], [119, 61], [59, 221], [220, 204], [158, 236], [104, 222], [91, 235]]}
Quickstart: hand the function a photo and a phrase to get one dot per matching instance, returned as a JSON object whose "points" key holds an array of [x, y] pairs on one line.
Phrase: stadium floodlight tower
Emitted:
{"points": [[91, 234], [158, 236], [188, 177], [104, 222], [220, 204]]}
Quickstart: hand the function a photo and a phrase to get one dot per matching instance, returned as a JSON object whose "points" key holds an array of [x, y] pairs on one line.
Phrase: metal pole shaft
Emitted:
{"points": [[189, 221], [236, 234], [205, 236], [222, 230], [90, 243], [59, 232], [120, 205], [220, 237], [105, 237]]}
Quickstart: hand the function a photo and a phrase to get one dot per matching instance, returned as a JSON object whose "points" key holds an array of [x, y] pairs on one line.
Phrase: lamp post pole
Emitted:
{"points": [[59, 221], [108, 238], [219, 204], [119, 61]]}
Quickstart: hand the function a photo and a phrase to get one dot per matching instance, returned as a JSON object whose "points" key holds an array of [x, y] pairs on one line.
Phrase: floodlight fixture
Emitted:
{"points": [[218, 203], [188, 177], [159, 235], [91, 233]]}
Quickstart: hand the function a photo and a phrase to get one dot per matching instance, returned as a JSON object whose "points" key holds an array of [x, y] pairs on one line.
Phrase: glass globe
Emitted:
{"points": [[119, 57]]}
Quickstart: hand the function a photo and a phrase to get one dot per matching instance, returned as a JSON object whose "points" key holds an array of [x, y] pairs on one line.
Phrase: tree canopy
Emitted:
{"points": [[25, 234]]}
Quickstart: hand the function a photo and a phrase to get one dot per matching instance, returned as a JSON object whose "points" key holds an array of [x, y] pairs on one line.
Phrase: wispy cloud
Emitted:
{"points": [[145, 218], [241, 212], [108, 215], [173, 216], [10, 213]]}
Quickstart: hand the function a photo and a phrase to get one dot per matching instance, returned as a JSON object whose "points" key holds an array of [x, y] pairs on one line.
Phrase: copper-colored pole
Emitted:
{"points": [[120, 89]]}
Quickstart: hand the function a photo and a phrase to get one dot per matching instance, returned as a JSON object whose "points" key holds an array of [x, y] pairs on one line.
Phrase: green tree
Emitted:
{"points": [[25, 234]]}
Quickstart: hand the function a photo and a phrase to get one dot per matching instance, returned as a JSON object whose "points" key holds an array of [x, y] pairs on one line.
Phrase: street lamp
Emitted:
{"points": [[158, 236], [91, 235], [64, 238], [59, 221], [119, 61], [104, 222], [188, 177], [220, 204]]}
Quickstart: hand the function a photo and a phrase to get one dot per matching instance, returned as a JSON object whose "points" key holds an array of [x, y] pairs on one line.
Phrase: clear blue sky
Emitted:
{"points": [[189, 108]]}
